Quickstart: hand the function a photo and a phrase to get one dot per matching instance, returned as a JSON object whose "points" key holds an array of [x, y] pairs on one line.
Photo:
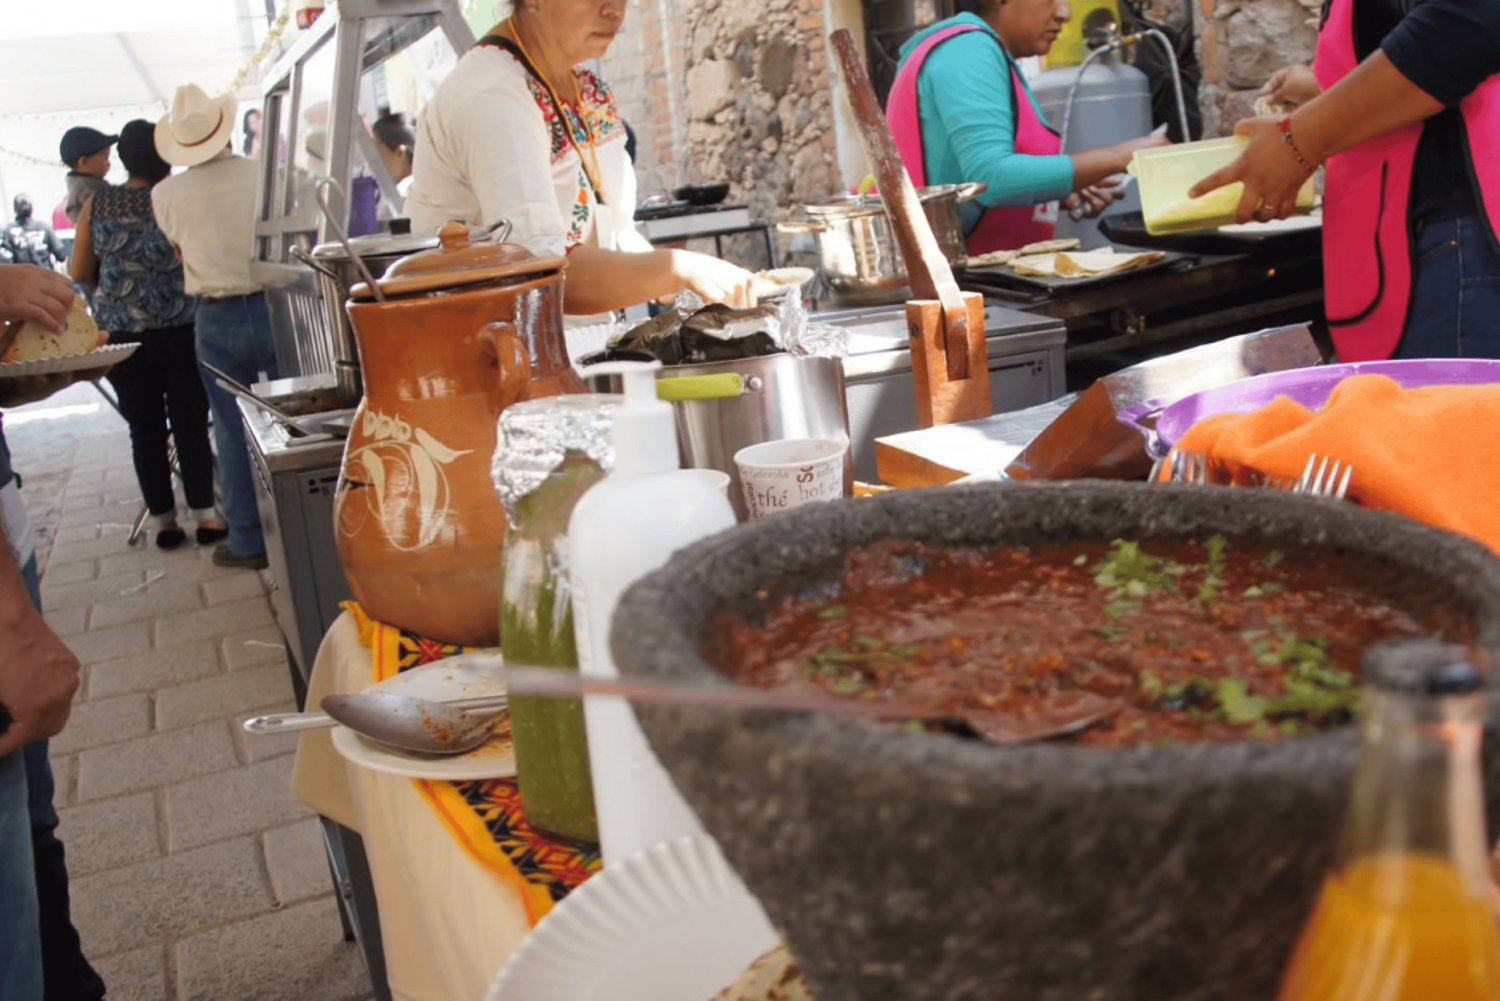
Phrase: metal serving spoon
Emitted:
{"points": [[402, 721], [1078, 711], [411, 724]]}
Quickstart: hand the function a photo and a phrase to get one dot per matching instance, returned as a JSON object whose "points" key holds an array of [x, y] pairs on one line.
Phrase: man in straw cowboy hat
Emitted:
{"points": [[208, 212]]}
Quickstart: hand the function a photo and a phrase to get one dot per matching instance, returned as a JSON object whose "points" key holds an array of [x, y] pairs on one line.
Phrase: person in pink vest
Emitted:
{"points": [[961, 111], [1404, 111]]}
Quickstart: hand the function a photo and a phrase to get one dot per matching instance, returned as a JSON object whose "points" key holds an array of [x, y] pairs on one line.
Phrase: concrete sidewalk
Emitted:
{"points": [[195, 873]]}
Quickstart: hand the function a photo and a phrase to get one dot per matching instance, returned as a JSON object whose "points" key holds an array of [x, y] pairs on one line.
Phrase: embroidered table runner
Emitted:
{"points": [[485, 815]]}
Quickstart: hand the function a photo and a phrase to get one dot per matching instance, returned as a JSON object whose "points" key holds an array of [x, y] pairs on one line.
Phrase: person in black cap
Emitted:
{"points": [[28, 240], [86, 152]]}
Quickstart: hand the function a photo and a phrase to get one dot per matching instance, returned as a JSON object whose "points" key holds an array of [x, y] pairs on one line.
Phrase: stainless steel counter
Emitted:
{"points": [[295, 481]]}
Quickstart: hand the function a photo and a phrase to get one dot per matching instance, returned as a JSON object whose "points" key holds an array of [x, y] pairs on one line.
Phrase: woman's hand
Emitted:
{"points": [[1291, 86], [29, 292], [714, 280], [1089, 201], [1269, 169]]}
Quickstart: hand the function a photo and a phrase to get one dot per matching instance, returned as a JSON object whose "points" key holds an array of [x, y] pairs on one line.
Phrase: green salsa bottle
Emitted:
{"points": [[549, 452]]}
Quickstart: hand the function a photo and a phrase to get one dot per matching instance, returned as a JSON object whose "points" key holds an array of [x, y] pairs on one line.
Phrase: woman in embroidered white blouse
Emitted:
{"points": [[520, 131]]}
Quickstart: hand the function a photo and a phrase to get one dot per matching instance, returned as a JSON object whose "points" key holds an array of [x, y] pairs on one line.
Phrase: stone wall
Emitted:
{"points": [[731, 91], [1240, 44]]}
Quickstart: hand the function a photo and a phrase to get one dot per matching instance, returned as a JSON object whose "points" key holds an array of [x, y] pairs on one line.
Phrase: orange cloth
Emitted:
{"points": [[484, 816], [1431, 454]]}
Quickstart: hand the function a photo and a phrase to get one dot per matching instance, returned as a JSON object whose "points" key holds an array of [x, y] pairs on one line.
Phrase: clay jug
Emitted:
{"points": [[464, 331]]}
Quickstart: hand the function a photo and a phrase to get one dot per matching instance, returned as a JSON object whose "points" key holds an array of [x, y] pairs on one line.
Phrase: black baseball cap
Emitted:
{"points": [[81, 140]]}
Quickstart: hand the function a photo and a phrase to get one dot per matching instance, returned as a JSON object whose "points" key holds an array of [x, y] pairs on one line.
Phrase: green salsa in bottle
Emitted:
{"points": [[549, 453]]}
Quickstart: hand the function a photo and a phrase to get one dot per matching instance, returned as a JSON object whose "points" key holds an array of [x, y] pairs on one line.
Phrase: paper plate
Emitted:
{"points": [[673, 923], [466, 676], [110, 354]]}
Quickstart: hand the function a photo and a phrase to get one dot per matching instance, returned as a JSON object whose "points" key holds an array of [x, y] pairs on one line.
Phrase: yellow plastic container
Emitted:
{"points": [[1165, 173]]}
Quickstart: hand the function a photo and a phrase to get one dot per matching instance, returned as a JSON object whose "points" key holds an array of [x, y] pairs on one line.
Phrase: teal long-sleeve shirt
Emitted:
{"points": [[968, 130]]}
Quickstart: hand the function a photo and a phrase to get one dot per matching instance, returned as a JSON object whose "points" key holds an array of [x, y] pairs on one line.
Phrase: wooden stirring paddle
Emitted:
{"points": [[949, 356]]}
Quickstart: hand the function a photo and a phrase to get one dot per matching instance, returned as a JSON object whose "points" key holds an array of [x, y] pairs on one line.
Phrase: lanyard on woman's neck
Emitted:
{"points": [[518, 49]]}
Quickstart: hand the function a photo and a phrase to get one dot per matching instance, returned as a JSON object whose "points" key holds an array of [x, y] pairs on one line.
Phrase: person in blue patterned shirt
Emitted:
{"points": [[140, 297]]}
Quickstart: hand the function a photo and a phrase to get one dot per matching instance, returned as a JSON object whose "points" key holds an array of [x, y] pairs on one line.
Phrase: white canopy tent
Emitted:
{"points": [[102, 63]]}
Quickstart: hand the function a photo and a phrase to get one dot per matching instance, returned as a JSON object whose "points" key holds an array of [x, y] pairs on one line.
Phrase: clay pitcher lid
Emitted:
{"points": [[455, 262]]}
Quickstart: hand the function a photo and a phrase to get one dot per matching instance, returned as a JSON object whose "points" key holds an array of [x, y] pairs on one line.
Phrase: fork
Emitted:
{"points": [[1323, 477], [1182, 467]]}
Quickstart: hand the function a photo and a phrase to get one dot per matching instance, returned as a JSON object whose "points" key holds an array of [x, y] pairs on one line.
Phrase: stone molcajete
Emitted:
{"points": [[465, 330], [904, 865]]}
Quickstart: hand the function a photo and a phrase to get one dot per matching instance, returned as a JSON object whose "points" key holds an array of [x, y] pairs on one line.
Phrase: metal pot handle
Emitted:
{"points": [[802, 226], [323, 186], [315, 264], [720, 386], [971, 190]]}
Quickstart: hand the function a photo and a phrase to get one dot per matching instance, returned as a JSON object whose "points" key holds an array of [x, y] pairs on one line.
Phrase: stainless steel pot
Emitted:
{"points": [[762, 399], [337, 273], [857, 250]]}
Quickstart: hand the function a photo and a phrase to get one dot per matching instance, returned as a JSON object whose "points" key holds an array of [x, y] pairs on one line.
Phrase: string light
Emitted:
{"points": [[272, 41], [14, 157]]}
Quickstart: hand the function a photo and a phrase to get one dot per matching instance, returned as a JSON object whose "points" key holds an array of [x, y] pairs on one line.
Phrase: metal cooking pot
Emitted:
{"points": [[337, 274], [857, 250], [723, 406]]}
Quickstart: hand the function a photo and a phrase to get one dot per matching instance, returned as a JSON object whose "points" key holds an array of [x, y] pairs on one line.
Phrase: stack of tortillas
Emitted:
{"points": [[1031, 249], [1084, 263], [30, 341], [1062, 258]]}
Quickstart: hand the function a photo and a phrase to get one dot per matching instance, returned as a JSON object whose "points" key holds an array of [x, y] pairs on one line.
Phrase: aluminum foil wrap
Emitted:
{"points": [[534, 436]]}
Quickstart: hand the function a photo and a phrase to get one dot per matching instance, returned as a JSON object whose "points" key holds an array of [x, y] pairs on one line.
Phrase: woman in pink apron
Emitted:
{"points": [[961, 111], [1408, 126]]}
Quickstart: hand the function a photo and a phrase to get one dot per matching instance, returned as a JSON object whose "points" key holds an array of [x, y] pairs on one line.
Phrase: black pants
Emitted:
{"points": [[160, 382], [66, 974]]}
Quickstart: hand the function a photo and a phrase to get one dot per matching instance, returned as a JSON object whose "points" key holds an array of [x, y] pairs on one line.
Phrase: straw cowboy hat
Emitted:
{"points": [[197, 127]]}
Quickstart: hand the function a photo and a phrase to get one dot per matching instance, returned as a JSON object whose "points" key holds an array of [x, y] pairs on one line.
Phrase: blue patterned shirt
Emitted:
{"points": [[140, 278]]}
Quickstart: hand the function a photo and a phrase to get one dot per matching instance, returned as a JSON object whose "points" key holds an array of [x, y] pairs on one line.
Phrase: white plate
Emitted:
{"points": [[466, 676], [110, 354], [673, 923]]}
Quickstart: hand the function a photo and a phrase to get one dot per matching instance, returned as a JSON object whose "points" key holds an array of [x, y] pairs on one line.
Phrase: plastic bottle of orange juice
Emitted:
{"points": [[1405, 914]]}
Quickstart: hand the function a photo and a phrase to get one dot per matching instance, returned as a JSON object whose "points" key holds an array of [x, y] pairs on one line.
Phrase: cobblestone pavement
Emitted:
{"points": [[196, 875]]}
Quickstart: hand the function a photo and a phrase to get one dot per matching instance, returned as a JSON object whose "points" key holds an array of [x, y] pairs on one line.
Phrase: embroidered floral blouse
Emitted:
{"points": [[490, 146]]}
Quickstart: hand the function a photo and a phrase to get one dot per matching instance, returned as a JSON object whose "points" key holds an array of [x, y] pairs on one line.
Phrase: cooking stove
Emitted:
{"points": [[1025, 362]]}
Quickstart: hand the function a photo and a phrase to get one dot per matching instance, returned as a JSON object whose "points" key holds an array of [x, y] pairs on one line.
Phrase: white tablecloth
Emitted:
{"points": [[448, 923]]}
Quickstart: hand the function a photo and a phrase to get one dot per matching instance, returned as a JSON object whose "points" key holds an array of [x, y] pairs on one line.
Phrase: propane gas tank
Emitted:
{"points": [[1112, 104]]}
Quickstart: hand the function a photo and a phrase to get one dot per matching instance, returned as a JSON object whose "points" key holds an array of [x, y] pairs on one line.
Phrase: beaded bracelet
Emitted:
{"points": [[1286, 137]]}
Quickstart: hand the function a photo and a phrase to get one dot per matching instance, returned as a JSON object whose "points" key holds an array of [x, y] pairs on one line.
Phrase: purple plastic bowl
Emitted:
{"points": [[1307, 386]]}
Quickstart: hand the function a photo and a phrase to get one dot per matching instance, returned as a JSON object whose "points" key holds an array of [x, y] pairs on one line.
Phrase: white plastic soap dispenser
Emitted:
{"points": [[621, 529]]}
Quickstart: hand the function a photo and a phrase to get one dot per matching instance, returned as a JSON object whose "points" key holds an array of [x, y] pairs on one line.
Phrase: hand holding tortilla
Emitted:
{"points": [[32, 340], [37, 294]]}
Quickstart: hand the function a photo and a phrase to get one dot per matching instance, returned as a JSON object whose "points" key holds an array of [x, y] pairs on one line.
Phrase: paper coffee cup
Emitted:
{"points": [[780, 475]]}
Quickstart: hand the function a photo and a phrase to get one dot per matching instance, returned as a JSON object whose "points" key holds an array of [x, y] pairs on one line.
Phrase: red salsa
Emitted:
{"points": [[1201, 640]]}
